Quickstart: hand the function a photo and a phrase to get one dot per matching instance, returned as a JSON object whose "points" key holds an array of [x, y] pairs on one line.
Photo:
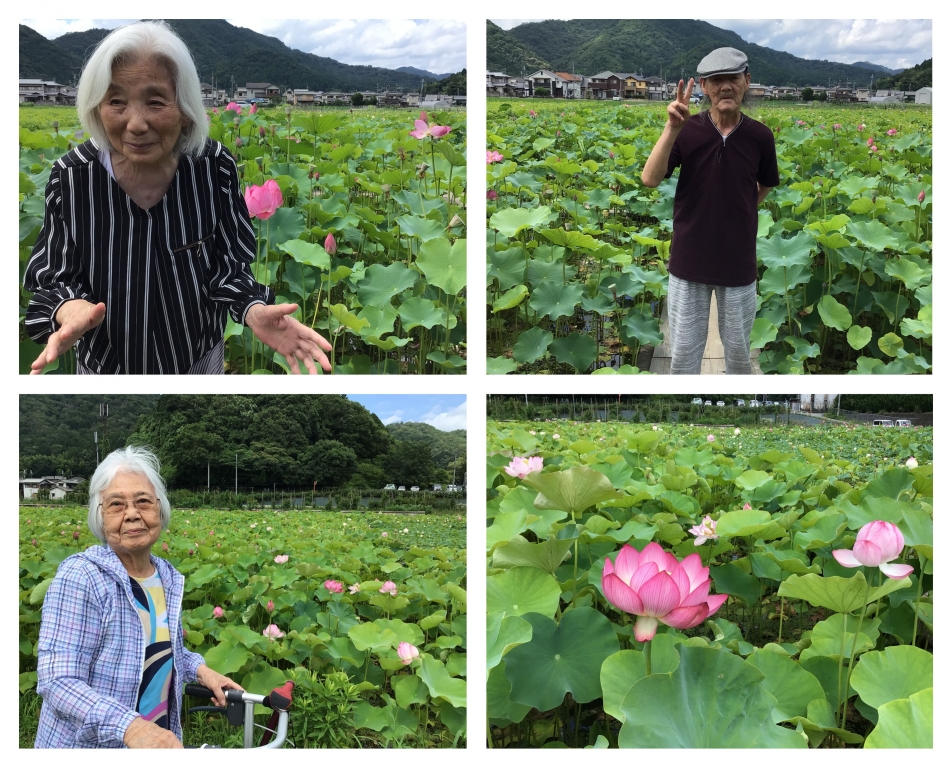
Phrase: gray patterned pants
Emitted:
{"points": [[689, 309], [212, 362]]}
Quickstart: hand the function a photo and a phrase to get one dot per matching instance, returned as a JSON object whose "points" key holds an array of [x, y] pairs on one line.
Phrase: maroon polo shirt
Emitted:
{"points": [[715, 205]]}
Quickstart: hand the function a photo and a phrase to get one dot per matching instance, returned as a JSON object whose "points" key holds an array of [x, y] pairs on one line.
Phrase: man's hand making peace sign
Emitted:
{"points": [[679, 110]]}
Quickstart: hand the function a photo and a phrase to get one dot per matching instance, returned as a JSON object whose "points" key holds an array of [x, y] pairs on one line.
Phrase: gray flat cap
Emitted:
{"points": [[723, 61]]}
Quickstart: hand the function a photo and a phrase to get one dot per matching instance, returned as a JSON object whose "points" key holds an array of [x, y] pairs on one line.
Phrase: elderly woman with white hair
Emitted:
{"points": [[146, 241], [111, 662]]}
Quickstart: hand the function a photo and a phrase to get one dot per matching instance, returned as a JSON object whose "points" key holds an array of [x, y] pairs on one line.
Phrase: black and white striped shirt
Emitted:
{"points": [[167, 275]]}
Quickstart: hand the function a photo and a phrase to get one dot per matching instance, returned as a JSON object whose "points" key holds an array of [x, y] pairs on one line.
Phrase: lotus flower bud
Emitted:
{"points": [[922, 196], [218, 612], [270, 606], [330, 244]]}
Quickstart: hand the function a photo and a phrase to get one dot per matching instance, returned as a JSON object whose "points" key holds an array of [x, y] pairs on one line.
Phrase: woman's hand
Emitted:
{"points": [[217, 684], [274, 326], [75, 318], [141, 734]]}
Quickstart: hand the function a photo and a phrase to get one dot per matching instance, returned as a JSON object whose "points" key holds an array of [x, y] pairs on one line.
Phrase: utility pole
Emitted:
{"points": [[236, 475]]}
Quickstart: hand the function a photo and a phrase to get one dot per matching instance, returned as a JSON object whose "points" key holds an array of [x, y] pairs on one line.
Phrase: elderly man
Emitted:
{"points": [[728, 166]]}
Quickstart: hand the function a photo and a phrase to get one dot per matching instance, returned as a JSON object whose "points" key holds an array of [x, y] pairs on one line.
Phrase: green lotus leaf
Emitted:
{"points": [[890, 344], [859, 336], [712, 700], [227, 658], [779, 252], [507, 267], [835, 592], [511, 298], [546, 555], [417, 226], [743, 522], [434, 675], [572, 490], [622, 670], [733, 580], [554, 300], [521, 590], [409, 690], [500, 708], [500, 366], [311, 254], [792, 686], [505, 526], [873, 235], [503, 633], [833, 314], [897, 672], [762, 333], [531, 345], [820, 721], [561, 658], [511, 221], [576, 349], [644, 328], [418, 311], [904, 724], [443, 264], [382, 283]]}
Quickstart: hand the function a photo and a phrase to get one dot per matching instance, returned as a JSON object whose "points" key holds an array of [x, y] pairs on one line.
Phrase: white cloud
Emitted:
{"points": [[447, 421], [392, 418], [53, 28]]}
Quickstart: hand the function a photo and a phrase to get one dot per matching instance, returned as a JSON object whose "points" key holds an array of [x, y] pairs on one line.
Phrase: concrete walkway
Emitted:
{"points": [[713, 361]]}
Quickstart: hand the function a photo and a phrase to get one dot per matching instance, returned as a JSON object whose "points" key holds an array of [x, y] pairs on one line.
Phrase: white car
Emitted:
{"points": [[402, 488], [707, 402], [720, 403], [452, 488], [697, 401], [437, 488], [390, 487], [754, 403], [414, 488], [903, 423], [741, 403]]}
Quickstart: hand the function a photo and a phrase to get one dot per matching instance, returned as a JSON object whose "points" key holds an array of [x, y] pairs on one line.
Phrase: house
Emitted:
{"points": [[560, 85], [756, 92], [209, 95], [841, 93], [302, 97], [862, 95], [657, 91], [501, 84], [924, 96], [332, 97], [435, 101], [785, 92], [48, 486], [46, 92], [597, 85], [635, 87]]}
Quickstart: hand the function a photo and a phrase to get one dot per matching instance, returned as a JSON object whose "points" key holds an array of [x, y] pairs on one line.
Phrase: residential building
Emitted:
{"points": [[558, 85], [56, 485], [571, 85], [657, 91], [46, 92], [924, 96], [303, 97]]}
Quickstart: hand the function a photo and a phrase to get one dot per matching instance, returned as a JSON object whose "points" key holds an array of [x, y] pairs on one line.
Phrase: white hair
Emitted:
{"points": [[143, 41], [134, 460]]}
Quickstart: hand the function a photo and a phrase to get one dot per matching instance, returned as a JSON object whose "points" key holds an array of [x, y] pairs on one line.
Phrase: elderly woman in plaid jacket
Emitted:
{"points": [[111, 663]]}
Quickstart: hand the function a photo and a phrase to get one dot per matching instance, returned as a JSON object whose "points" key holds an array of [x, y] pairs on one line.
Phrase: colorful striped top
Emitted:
{"points": [[153, 701]]}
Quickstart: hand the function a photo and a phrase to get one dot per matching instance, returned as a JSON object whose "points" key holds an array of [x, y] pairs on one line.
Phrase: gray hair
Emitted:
{"points": [[143, 41], [137, 461]]}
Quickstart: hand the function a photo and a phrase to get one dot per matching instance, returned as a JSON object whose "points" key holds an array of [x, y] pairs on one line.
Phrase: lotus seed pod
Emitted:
{"points": [[237, 121], [456, 221]]}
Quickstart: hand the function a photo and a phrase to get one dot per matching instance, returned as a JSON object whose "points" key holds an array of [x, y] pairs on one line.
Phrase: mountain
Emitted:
{"points": [[422, 73], [451, 86], [912, 79], [674, 46], [878, 68], [225, 54], [46, 60], [505, 53]]}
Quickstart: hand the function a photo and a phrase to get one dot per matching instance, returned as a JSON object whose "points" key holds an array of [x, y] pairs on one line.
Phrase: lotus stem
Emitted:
{"points": [[648, 657], [915, 619], [849, 666], [780, 633]]}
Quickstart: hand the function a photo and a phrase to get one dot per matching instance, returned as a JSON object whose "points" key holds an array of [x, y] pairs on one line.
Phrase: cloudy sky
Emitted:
{"points": [[446, 413], [894, 44], [436, 45]]}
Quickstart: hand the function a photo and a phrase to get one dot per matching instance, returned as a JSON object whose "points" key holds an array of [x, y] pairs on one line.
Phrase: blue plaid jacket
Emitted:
{"points": [[91, 651]]}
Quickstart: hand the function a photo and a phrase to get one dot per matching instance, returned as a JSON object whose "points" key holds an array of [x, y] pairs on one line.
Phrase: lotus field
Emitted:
{"points": [[360, 221], [577, 245], [672, 586], [366, 613]]}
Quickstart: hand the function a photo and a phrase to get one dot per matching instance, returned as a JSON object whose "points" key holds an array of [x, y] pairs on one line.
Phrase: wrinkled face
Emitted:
{"points": [[140, 114], [726, 91], [130, 514]]}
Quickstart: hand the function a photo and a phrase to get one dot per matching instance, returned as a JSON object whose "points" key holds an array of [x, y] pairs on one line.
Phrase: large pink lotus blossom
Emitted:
{"points": [[492, 156], [422, 129], [521, 466], [272, 632], [710, 438], [654, 586], [233, 107], [407, 652], [263, 201], [389, 588], [706, 530], [280, 559], [253, 110], [876, 544], [891, 132], [333, 586]]}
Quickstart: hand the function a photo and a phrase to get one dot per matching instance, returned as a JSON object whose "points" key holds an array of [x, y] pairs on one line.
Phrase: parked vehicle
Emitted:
{"points": [[741, 403], [754, 403], [697, 401], [452, 488], [414, 488], [402, 488], [390, 487], [903, 423], [437, 488], [883, 423], [707, 402], [720, 403]]}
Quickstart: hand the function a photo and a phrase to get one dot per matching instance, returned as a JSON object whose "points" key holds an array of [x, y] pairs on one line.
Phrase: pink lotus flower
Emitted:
{"points": [[654, 586], [836, 126], [263, 201], [611, 155], [532, 113], [861, 127], [231, 106], [891, 132], [747, 506], [384, 534], [555, 436], [272, 632], [407, 652], [33, 542], [422, 129], [280, 559], [333, 586], [423, 116], [922, 196], [801, 122], [215, 110], [218, 612], [521, 466], [876, 544], [706, 530], [492, 156], [165, 546], [270, 606], [869, 141], [354, 588], [253, 110], [710, 438], [911, 462], [491, 194], [874, 148], [389, 588]]}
